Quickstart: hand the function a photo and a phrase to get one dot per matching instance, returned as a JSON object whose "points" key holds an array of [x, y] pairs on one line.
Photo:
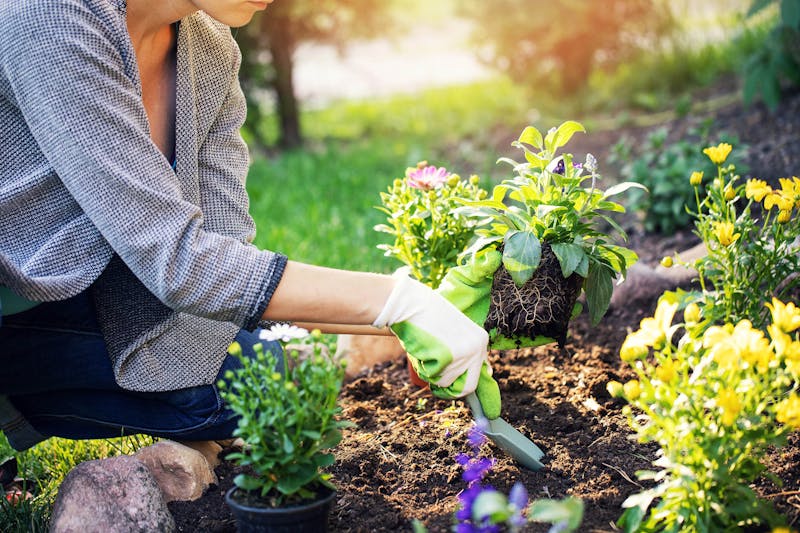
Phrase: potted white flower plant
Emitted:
{"points": [[549, 222], [287, 409]]}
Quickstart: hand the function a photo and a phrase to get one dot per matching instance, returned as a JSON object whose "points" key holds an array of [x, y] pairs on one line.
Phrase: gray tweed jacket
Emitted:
{"points": [[88, 202]]}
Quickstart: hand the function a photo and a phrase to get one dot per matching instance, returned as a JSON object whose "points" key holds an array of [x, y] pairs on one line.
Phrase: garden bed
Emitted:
{"points": [[397, 464]]}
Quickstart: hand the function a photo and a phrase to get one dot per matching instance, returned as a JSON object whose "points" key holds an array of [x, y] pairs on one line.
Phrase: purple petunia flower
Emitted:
{"points": [[426, 178]]}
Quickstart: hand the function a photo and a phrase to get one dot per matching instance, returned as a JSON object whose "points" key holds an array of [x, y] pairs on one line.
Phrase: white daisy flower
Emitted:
{"points": [[283, 333]]}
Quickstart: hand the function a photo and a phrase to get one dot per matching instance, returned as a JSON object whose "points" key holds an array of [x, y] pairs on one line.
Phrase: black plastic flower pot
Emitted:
{"points": [[251, 517], [542, 306]]}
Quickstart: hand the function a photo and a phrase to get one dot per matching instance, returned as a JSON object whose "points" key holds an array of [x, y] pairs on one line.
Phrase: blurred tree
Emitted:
{"points": [[269, 42], [556, 45]]}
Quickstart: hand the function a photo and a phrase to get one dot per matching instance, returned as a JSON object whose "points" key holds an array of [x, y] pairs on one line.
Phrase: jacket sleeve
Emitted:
{"points": [[65, 69]]}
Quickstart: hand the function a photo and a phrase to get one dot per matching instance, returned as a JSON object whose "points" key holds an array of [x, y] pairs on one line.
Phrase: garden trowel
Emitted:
{"points": [[507, 438]]}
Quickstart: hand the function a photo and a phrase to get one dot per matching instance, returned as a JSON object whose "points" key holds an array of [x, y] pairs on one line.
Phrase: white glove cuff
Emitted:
{"points": [[406, 298]]}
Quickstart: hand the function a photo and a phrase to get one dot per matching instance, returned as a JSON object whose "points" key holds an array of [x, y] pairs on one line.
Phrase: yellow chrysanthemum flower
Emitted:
{"points": [[719, 153], [785, 316], [777, 199], [788, 411], [753, 346], [723, 231], [780, 340], [723, 347], [696, 178], [655, 330], [757, 189], [792, 351], [634, 347], [729, 402]]}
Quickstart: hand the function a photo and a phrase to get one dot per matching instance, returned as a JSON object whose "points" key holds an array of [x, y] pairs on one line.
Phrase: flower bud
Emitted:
{"points": [[453, 180], [784, 216], [632, 389], [729, 193], [474, 179], [696, 178], [615, 389], [691, 315], [666, 262]]}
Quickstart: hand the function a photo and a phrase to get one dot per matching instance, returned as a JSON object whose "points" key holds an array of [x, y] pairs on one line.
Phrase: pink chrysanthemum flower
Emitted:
{"points": [[426, 178]]}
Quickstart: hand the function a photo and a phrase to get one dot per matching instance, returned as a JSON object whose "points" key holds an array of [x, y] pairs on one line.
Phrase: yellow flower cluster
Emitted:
{"points": [[732, 347], [653, 332], [788, 411], [785, 199], [785, 320], [718, 154]]}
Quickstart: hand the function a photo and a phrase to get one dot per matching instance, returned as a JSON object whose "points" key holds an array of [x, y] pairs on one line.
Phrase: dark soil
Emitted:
{"points": [[398, 464]]}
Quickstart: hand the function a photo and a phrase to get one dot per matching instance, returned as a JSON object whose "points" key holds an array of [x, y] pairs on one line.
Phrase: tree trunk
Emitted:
{"points": [[281, 48]]}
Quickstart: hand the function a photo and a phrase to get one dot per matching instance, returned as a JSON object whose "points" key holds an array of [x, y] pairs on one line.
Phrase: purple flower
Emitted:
{"points": [[426, 178], [518, 497], [466, 498], [462, 458], [476, 469], [476, 435], [559, 167]]}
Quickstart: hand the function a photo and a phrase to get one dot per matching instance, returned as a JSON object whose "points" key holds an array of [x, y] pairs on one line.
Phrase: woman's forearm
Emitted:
{"points": [[320, 296]]}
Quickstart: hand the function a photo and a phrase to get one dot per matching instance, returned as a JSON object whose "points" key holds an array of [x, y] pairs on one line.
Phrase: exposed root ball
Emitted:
{"points": [[542, 306]]}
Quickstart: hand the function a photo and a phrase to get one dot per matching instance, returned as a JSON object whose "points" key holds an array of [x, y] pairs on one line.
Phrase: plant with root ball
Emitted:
{"points": [[550, 223]]}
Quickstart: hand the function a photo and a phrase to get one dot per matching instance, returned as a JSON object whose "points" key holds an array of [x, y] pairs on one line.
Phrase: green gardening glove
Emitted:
{"points": [[469, 288], [446, 348]]}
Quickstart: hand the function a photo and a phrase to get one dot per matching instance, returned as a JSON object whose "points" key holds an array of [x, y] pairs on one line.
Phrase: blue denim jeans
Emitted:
{"points": [[55, 373]]}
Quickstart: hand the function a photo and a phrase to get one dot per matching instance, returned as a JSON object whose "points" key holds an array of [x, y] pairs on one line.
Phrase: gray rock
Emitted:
{"points": [[181, 472], [115, 494]]}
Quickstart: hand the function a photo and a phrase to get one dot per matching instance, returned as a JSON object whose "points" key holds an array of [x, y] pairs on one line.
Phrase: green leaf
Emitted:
{"points": [[630, 520], [288, 447], [531, 136], [522, 253], [636, 505], [599, 286], [583, 267], [569, 256], [490, 505], [246, 482], [622, 187], [324, 459], [561, 135], [568, 511]]}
